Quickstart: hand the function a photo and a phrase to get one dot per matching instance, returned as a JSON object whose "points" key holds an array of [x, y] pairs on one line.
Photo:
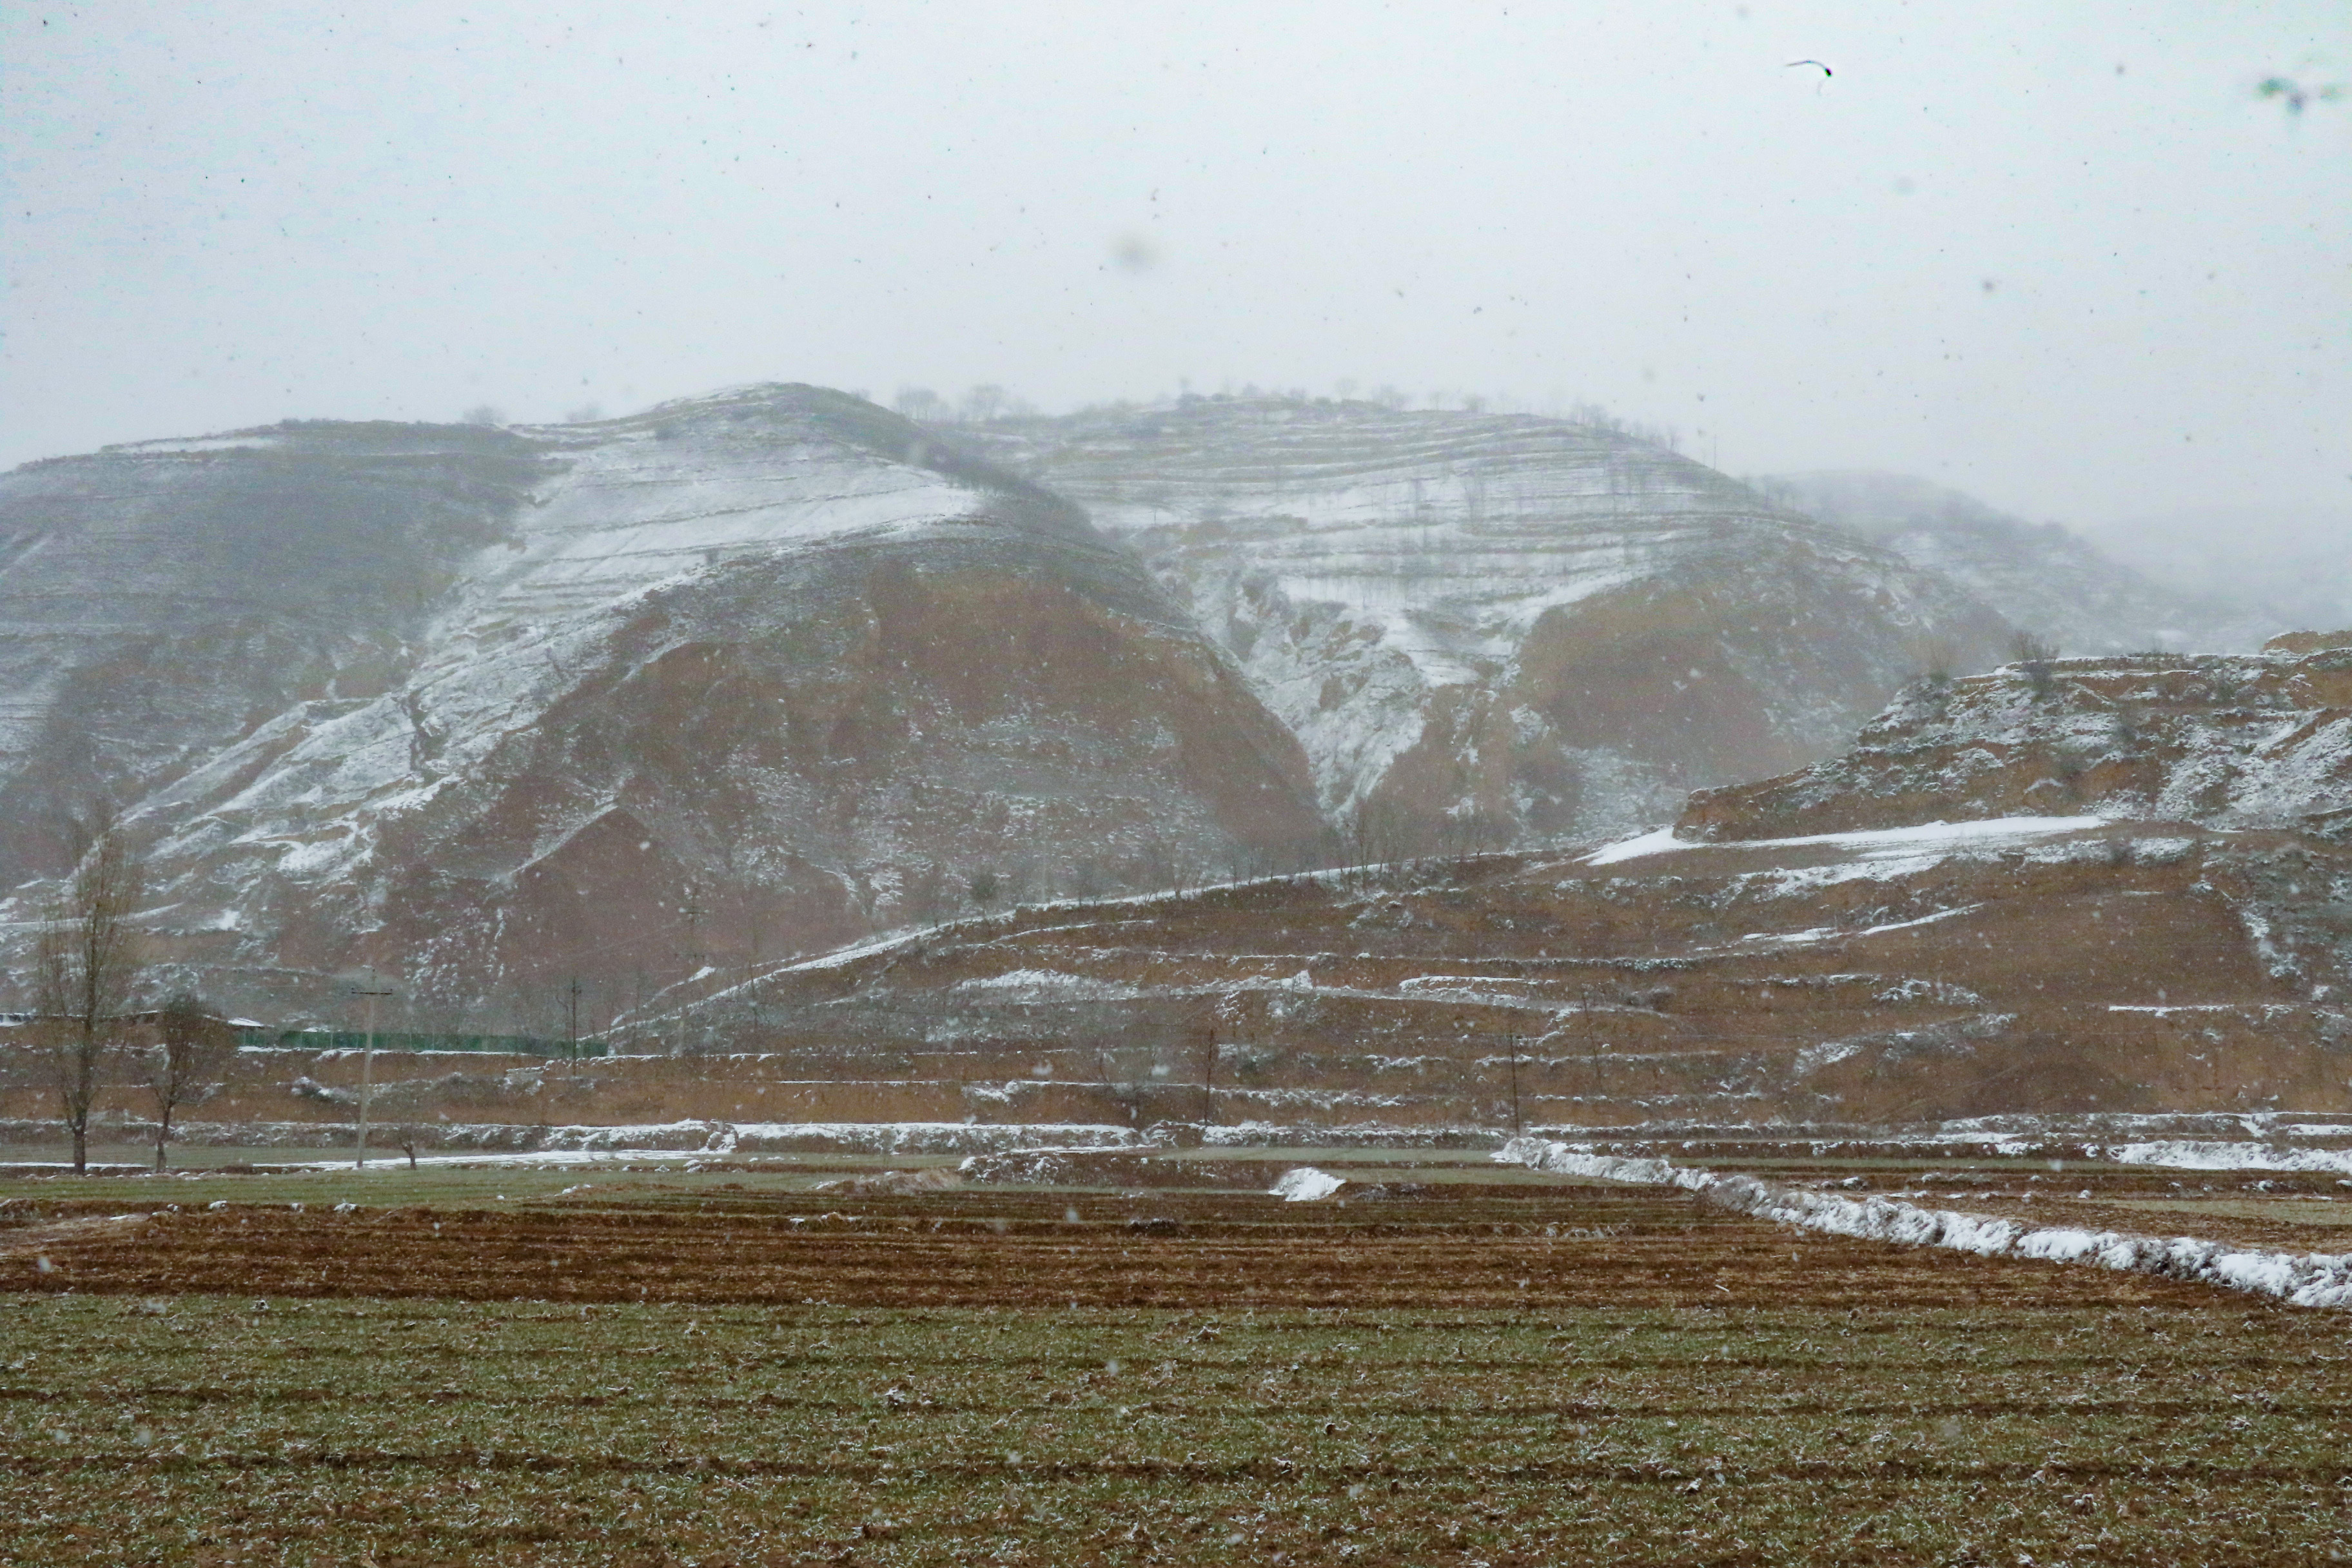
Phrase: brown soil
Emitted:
{"points": [[1507, 1248]]}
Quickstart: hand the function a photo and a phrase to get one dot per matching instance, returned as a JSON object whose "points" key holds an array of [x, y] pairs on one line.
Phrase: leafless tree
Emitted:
{"points": [[920, 403], [192, 1048], [85, 968], [2025, 648], [984, 402]]}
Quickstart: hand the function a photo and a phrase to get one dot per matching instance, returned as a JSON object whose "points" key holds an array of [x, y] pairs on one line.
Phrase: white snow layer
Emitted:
{"points": [[1307, 1185], [1877, 841], [2306, 1280], [2179, 1155], [701, 1140]]}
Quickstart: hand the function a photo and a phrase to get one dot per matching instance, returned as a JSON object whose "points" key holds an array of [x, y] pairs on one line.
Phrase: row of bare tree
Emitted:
{"points": [[86, 963]]}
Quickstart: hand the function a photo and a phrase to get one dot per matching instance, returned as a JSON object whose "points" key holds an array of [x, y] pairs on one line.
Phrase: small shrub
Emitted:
{"points": [[2034, 656]]}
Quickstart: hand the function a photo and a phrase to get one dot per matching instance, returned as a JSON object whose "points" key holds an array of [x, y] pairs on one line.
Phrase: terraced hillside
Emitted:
{"points": [[2054, 964], [1496, 628], [1893, 936], [617, 703], [2096, 885]]}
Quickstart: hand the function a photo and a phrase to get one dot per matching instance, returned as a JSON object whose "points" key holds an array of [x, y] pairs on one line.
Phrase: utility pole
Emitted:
{"points": [[1514, 1086], [1209, 1079], [1593, 1042], [367, 1067], [571, 1013], [692, 910]]}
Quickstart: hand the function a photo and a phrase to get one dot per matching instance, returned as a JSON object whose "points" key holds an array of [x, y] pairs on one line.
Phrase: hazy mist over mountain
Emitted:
{"points": [[2293, 562], [2070, 260]]}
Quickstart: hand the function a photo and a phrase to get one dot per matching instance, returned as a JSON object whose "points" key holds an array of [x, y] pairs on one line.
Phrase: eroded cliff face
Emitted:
{"points": [[2224, 742], [739, 677], [1502, 628]]}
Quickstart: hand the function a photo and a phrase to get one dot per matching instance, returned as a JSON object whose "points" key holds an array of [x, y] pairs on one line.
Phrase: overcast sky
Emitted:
{"points": [[2061, 256]]}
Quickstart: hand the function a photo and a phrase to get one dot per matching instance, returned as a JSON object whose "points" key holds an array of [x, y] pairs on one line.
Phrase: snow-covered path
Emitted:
{"points": [[2301, 1280]]}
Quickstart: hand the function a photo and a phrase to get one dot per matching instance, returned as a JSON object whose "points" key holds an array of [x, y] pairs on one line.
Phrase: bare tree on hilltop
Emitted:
{"points": [[85, 968]]}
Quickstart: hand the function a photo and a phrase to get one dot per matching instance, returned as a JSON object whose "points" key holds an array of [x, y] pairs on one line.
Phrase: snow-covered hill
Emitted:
{"points": [[157, 600], [2225, 742], [2052, 584], [619, 702], [1499, 627]]}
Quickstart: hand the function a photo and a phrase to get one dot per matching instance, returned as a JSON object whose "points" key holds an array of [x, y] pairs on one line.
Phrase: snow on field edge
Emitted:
{"points": [[2186, 1155], [2305, 1280], [1306, 1184]]}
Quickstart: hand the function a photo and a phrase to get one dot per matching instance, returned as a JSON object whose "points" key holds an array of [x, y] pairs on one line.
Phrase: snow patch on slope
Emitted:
{"points": [[1934, 839]]}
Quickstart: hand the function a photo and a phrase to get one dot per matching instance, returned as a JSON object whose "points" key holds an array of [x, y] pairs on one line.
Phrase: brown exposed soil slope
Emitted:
{"points": [[1901, 977], [2193, 953]]}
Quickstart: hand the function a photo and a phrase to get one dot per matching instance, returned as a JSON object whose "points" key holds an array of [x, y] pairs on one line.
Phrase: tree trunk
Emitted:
{"points": [[163, 1136], [81, 1148]]}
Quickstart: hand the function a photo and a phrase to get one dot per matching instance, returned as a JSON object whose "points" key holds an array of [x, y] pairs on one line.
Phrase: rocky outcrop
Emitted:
{"points": [[1497, 627], [625, 703], [2224, 742]]}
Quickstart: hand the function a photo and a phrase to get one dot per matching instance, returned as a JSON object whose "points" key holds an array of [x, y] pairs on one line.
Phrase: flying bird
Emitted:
{"points": [[1825, 70]]}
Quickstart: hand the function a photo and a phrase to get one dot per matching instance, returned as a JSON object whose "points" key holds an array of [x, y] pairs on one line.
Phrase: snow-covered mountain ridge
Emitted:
{"points": [[1498, 627], [157, 600], [653, 700], [743, 675]]}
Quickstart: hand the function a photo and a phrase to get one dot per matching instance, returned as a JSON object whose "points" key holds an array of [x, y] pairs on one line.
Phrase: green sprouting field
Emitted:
{"points": [[1634, 1380]]}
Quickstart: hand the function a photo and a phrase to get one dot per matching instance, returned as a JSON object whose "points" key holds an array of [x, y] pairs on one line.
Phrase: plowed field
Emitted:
{"points": [[1505, 1248], [1478, 1374]]}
